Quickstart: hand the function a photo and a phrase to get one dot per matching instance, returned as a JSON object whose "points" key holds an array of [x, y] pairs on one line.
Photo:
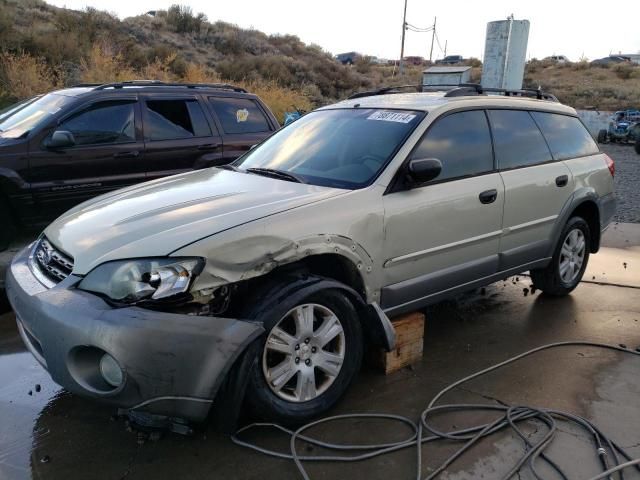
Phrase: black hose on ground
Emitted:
{"points": [[612, 457]]}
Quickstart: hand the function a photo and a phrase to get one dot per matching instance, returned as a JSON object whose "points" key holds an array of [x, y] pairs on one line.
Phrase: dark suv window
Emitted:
{"points": [[239, 115], [172, 119], [103, 123], [567, 136], [462, 142], [517, 139]]}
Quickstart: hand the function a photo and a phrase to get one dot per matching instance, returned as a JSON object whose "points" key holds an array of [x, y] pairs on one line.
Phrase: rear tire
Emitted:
{"points": [[636, 146], [569, 261], [7, 226], [297, 377]]}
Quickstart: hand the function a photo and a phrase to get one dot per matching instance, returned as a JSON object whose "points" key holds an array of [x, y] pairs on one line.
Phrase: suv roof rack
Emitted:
{"points": [[465, 89], [460, 90], [158, 83]]}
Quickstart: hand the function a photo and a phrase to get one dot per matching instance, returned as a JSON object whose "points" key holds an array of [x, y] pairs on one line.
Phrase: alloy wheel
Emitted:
{"points": [[572, 255], [304, 353]]}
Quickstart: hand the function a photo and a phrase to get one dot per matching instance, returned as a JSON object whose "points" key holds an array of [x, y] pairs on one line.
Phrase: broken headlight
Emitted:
{"points": [[130, 281]]}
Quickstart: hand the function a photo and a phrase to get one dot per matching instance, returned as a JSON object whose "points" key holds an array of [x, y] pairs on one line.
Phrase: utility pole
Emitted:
{"points": [[433, 37], [445, 47], [404, 29]]}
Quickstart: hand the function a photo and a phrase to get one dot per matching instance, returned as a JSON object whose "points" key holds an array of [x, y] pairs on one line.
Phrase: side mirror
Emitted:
{"points": [[61, 139], [422, 170]]}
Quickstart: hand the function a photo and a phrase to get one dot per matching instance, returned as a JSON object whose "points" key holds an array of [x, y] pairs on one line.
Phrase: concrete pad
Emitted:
{"points": [[52, 434]]}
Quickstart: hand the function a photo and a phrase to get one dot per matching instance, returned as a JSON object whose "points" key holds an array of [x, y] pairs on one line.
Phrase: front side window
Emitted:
{"points": [[239, 115], [103, 123], [343, 148], [461, 141], [517, 139], [567, 136], [174, 119]]}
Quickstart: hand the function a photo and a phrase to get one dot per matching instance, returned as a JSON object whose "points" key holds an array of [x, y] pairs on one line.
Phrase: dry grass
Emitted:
{"points": [[583, 85], [24, 76]]}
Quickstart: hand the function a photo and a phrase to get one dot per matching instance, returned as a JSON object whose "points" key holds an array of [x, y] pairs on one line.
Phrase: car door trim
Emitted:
{"points": [[532, 223], [421, 253]]}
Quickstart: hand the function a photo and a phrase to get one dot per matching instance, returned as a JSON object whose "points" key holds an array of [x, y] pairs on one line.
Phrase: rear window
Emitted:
{"points": [[462, 142], [517, 139], [567, 136], [240, 115]]}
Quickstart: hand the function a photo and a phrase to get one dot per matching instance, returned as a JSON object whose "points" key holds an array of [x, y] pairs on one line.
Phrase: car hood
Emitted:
{"points": [[158, 217]]}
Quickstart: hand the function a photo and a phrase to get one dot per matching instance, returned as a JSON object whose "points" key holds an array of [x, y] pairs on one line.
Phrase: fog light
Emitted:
{"points": [[110, 370]]}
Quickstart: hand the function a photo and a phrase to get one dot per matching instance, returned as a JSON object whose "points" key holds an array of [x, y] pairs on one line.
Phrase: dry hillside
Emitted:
{"points": [[43, 47]]}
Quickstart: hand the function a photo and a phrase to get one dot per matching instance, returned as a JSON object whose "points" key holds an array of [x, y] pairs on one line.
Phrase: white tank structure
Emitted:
{"points": [[505, 52]]}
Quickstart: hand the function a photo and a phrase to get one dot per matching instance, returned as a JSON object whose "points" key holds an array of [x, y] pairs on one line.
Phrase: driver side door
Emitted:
{"points": [[107, 154]]}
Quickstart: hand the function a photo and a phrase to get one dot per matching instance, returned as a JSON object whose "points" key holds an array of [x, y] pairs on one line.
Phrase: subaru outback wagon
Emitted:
{"points": [[263, 281], [60, 149]]}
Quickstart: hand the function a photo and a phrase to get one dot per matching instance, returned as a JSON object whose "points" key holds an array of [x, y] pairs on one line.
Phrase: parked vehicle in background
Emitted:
{"points": [[60, 149], [624, 127], [450, 60], [611, 60], [348, 58], [557, 59], [414, 60], [275, 273]]}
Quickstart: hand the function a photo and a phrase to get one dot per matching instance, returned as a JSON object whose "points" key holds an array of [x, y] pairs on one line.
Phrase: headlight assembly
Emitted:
{"points": [[130, 281]]}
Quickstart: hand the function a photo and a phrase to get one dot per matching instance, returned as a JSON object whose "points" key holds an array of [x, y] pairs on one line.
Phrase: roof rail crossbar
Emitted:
{"points": [[477, 89], [158, 83]]}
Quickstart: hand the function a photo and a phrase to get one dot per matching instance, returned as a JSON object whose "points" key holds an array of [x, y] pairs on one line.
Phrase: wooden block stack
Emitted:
{"points": [[409, 341]]}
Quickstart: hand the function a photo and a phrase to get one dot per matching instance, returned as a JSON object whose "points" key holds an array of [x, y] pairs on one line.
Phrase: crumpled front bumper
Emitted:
{"points": [[173, 364]]}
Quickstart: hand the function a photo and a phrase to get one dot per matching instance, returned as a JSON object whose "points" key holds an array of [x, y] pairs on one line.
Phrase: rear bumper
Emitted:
{"points": [[172, 364]]}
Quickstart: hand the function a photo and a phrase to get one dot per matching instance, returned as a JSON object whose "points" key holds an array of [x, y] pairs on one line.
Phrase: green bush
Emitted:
{"points": [[182, 19]]}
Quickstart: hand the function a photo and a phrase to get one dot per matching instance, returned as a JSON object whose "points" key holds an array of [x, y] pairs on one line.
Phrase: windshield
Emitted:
{"points": [[345, 148], [21, 118]]}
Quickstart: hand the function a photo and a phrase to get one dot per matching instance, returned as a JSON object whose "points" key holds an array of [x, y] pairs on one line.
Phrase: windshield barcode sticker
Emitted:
{"points": [[391, 117]]}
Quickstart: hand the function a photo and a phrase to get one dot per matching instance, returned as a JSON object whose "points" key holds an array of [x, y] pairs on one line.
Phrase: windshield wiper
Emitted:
{"points": [[272, 172]]}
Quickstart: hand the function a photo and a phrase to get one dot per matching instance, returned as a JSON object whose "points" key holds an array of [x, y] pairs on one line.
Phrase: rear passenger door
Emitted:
{"points": [[444, 233], [536, 186], [178, 136], [243, 123]]}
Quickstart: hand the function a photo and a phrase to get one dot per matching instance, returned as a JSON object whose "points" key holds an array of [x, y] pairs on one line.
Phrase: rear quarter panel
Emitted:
{"points": [[592, 173]]}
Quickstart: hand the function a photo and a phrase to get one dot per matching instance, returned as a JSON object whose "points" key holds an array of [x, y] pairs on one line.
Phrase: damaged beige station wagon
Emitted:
{"points": [[260, 283]]}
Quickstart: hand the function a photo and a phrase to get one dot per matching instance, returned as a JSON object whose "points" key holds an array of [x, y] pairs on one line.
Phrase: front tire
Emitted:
{"points": [[602, 136], [310, 353], [569, 260]]}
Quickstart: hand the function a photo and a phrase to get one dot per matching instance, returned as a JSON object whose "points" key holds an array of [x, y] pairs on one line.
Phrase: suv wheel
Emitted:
{"points": [[636, 146], [7, 226], [569, 261], [309, 355], [602, 136]]}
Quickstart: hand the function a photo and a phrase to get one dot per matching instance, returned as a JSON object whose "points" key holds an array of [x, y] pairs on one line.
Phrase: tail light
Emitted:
{"points": [[610, 164]]}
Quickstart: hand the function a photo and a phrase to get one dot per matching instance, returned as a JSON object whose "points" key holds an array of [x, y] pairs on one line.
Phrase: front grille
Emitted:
{"points": [[54, 265]]}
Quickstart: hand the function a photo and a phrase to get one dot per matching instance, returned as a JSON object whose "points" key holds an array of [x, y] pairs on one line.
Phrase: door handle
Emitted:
{"points": [[208, 146], [488, 196], [562, 180], [131, 154]]}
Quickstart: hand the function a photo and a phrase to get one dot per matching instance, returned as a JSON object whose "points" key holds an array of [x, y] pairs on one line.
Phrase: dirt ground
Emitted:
{"points": [[48, 433]]}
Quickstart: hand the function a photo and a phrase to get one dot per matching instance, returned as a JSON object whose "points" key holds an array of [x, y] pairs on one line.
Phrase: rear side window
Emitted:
{"points": [[517, 139], [462, 142], [103, 123], [567, 136], [174, 119], [240, 115]]}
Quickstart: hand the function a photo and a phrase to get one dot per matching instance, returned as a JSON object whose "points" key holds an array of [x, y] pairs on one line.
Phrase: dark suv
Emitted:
{"points": [[59, 149]]}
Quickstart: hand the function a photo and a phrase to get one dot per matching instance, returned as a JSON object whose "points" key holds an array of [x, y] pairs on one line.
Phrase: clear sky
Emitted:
{"points": [[568, 27]]}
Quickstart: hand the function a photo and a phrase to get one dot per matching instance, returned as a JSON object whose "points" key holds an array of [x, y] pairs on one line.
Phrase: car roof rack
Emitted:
{"points": [[158, 83], [460, 90], [466, 89]]}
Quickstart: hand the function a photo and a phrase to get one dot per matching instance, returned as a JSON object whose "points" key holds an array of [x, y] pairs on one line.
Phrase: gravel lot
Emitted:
{"points": [[627, 181]]}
